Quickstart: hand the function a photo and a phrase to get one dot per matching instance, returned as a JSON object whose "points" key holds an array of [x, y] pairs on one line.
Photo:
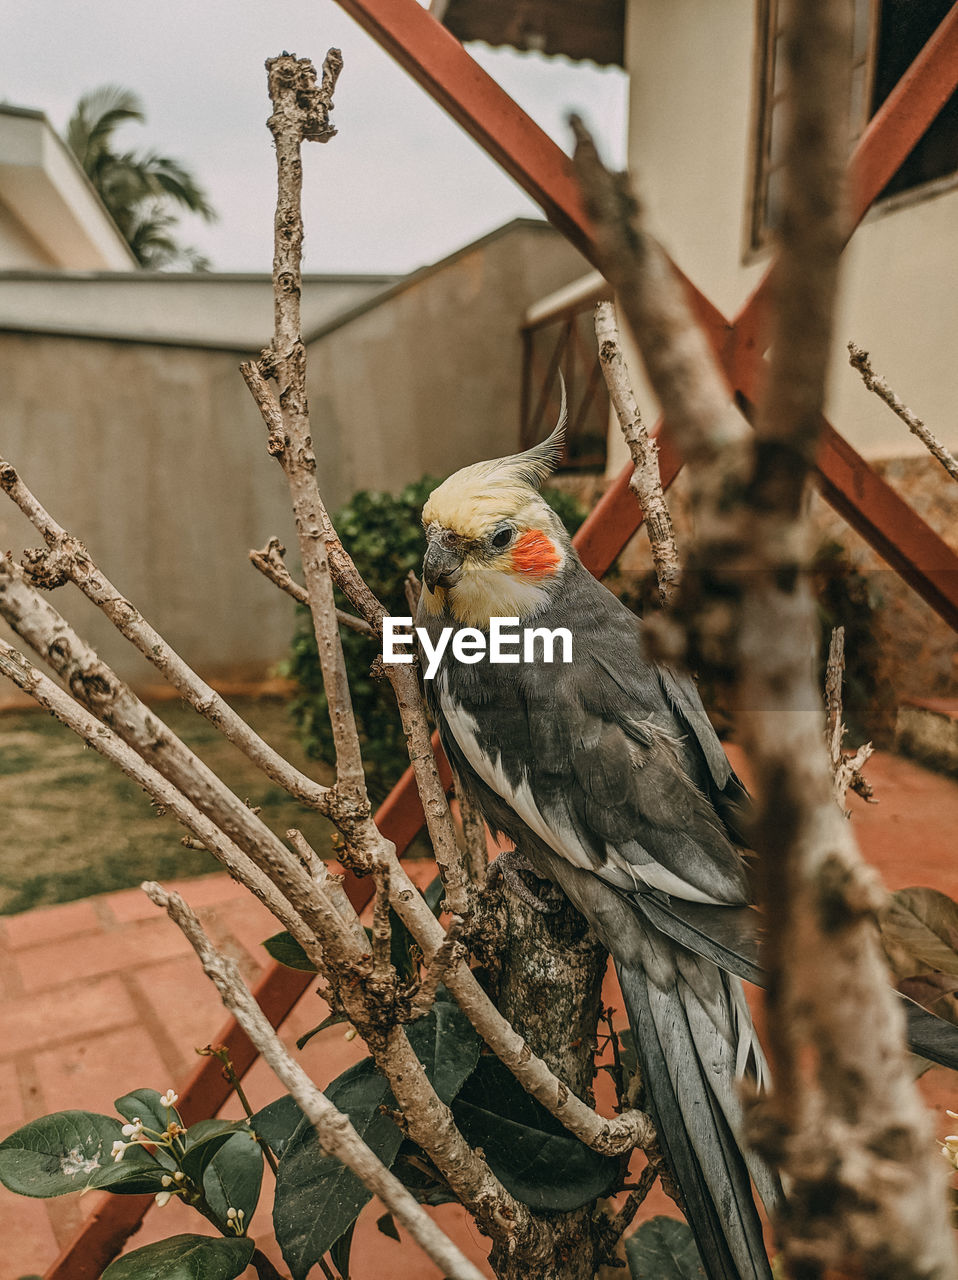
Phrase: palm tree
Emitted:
{"points": [[142, 189]]}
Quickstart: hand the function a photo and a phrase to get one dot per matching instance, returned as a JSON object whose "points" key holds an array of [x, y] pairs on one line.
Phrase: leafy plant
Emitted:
{"points": [[215, 1166], [664, 1249], [385, 538]]}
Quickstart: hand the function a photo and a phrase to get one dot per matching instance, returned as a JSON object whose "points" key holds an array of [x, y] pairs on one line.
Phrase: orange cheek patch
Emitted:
{"points": [[535, 555]]}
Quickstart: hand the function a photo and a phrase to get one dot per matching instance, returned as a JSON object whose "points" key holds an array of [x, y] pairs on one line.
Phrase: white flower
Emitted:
{"points": [[230, 1214], [169, 1099], [166, 1180], [179, 1176], [163, 1197], [118, 1149], [133, 1130]]}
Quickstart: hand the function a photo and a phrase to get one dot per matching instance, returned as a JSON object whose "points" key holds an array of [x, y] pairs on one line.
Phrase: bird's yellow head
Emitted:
{"points": [[495, 546]]}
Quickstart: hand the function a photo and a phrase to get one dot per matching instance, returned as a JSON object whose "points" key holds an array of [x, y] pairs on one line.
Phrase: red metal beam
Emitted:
{"points": [[447, 71], [437, 61]]}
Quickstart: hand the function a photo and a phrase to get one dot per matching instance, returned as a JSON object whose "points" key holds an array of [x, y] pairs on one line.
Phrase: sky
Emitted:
{"points": [[400, 186]]}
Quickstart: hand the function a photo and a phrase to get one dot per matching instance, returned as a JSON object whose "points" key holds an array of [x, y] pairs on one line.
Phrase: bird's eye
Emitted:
{"points": [[502, 538]]}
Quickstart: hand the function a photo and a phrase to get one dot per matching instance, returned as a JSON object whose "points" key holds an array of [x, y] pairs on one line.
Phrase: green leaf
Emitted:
{"points": [[919, 929], [277, 1123], [317, 1198], [203, 1141], [333, 1020], [446, 1044], [144, 1105], [185, 1257], [534, 1156], [341, 1250], [68, 1151], [664, 1249], [433, 895], [234, 1176], [284, 948], [388, 1227]]}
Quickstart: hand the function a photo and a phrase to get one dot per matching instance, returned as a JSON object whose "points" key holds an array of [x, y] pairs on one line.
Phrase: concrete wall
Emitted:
{"points": [[429, 380], [691, 101], [154, 455]]}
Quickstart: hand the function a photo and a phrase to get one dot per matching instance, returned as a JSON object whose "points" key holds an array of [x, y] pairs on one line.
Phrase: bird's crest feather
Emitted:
{"points": [[479, 494]]}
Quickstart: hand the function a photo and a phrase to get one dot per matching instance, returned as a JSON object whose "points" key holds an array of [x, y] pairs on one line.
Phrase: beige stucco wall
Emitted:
{"points": [[154, 455], [430, 379], [691, 68]]}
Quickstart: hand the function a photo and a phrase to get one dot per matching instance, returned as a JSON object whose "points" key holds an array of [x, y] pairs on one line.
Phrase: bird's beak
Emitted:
{"points": [[441, 567]]}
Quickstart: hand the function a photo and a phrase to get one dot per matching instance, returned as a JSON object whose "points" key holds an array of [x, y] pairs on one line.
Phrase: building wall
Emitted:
{"points": [[206, 308], [691, 126], [154, 455], [691, 66], [429, 380]]}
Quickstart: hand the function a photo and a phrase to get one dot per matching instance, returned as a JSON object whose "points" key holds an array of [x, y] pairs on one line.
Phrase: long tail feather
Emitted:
{"points": [[688, 1046], [728, 936]]}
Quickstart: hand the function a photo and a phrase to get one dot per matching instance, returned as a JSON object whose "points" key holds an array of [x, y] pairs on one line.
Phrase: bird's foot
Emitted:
{"points": [[507, 867]]}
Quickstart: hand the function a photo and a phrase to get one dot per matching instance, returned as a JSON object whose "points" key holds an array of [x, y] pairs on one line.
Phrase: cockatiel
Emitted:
{"points": [[608, 776]]}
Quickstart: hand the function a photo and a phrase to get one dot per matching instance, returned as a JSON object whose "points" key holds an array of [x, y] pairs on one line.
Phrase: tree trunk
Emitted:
{"points": [[549, 988]]}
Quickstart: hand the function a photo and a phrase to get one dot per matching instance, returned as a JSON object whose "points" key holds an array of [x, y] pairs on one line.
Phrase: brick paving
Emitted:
{"points": [[103, 996]]}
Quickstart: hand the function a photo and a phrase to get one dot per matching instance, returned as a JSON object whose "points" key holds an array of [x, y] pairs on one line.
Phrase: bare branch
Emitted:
{"points": [[333, 1129], [413, 589], [620, 1223], [67, 558], [695, 401], [609, 1136], [858, 359], [845, 769], [475, 846], [442, 832], [270, 563], [381, 930], [450, 952], [646, 482], [108, 744]]}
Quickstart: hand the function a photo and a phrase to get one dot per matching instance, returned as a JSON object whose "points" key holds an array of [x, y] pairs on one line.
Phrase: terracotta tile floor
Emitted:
{"points": [[103, 996]]}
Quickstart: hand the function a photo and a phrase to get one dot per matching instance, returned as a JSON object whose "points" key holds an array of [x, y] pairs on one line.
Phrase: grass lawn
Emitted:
{"points": [[73, 825]]}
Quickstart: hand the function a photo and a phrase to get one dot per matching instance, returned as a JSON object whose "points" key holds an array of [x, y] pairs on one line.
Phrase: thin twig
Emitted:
{"points": [[67, 558], [859, 359], [845, 768], [333, 1129], [271, 564], [646, 481], [450, 952], [301, 112], [381, 930], [101, 691], [620, 1223]]}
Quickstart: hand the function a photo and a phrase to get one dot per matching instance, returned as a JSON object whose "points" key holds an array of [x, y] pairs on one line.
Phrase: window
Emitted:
{"points": [[888, 35]]}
